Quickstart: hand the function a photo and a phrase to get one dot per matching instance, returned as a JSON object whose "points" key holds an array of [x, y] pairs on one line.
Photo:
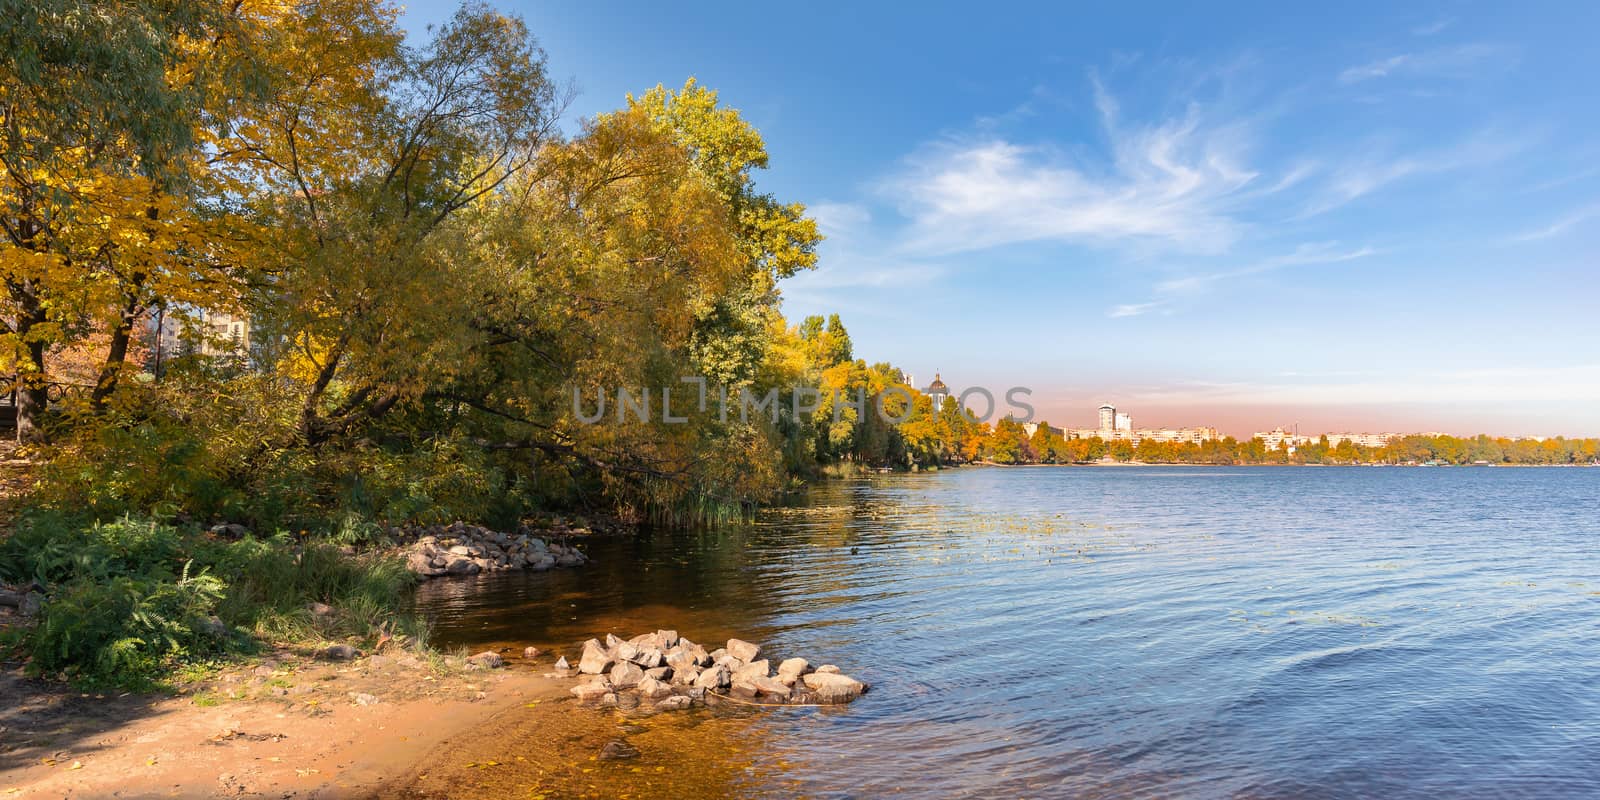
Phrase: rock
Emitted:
{"points": [[832, 687], [626, 675], [590, 692], [685, 677], [428, 566], [231, 530], [743, 650], [767, 687], [339, 652], [791, 669], [659, 673], [612, 643], [461, 550], [647, 640], [669, 639], [828, 668], [561, 663], [653, 689], [701, 657], [530, 652], [680, 659], [674, 703], [803, 698], [730, 663], [211, 627], [648, 657], [488, 659], [609, 699], [463, 566], [595, 659], [363, 699], [624, 651], [697, 694], [757, 669], [713, 678], [615, 751]]}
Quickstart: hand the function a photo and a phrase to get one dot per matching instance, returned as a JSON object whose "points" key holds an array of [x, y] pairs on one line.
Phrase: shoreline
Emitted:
{"points": [[281, 726]]}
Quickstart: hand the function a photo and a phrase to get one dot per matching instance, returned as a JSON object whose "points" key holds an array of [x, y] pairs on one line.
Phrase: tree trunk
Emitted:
{"points": [[111, 370], [33, 394]]}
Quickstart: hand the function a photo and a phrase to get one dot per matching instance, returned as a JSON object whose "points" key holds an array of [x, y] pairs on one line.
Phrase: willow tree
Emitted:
{"points": [[368, 150]]}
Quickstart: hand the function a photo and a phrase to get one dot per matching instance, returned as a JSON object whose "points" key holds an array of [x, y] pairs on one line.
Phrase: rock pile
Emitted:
{"points": [[672, 672], [462, 549]]}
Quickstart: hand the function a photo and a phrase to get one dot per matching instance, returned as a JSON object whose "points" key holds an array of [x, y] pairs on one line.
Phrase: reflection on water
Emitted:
{"points": [[1130, 632]]}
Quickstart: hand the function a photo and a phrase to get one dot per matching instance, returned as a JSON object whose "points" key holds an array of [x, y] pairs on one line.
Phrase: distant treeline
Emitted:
{"points": [[1009, 443]]}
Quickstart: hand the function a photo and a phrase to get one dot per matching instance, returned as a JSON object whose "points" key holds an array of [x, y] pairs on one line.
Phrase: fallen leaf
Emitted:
{"points": [[76, 765]]}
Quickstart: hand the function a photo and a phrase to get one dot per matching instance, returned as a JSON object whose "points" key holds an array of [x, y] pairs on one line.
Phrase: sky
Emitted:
{"points": [[1369, 217]]}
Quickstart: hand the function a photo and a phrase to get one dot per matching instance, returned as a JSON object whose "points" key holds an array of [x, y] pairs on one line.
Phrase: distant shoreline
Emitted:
{"points": [[1263, 464]]}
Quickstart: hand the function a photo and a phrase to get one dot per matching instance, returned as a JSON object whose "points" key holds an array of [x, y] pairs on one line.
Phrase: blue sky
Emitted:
{"points": [[1380, 217]]}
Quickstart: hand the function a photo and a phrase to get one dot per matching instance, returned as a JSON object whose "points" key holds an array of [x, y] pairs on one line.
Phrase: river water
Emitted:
{"points": [[1120, 632]]}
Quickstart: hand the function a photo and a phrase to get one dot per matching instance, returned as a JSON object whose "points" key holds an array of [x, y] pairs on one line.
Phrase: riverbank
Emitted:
{"points": [[288, 725]]}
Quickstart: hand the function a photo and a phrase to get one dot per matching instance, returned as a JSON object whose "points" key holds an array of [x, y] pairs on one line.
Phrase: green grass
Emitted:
{"points": [[135, 603]]}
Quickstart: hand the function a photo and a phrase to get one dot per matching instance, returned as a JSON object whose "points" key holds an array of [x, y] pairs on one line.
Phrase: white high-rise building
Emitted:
{"points": [[1108, 417], [1124, 421]]}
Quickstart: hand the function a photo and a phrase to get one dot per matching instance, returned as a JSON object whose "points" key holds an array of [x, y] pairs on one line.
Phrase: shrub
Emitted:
{"points": [[132, 598]]}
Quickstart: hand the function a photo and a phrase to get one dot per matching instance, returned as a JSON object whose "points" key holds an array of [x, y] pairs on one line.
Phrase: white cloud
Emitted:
{"points": [[1560, 226], [1460, 61], [838, 219], [1360, 178], [1305, 254], [1433, 28], [1176, 183], [1133, 309]]}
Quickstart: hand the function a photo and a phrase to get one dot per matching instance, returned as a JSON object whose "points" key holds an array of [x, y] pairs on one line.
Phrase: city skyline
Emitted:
{"points": [[1364, 217]]}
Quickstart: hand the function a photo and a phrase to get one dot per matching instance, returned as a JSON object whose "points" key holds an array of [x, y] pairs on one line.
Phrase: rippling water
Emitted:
{"points": [[1133, 632]]}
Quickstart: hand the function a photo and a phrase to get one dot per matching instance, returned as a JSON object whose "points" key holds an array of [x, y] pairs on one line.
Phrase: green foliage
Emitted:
{"points": [[133, 598]]}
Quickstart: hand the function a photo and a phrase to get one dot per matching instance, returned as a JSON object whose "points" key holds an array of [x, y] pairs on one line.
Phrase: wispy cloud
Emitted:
{"points": [[1434, 27], [1561, 225], [1356, 179], [1460, 61], [1175, 183], [1306, 254], [1133, 309]]}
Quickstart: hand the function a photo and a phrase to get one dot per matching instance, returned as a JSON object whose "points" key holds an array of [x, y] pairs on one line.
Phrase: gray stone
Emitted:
{"points": [[680, 659], [488, 659], [653, 689], [752, 670], [743, 650], [765, 686], [828, 668], [590, 692], [615, 751], [791, 669], [530, 652], [561, 663], [595, 659], [647, 657], [832, 687], [340, 652], [685, 677], [713, 678], [659, 673], [463, 566], [674, 703], [626, 675]]}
